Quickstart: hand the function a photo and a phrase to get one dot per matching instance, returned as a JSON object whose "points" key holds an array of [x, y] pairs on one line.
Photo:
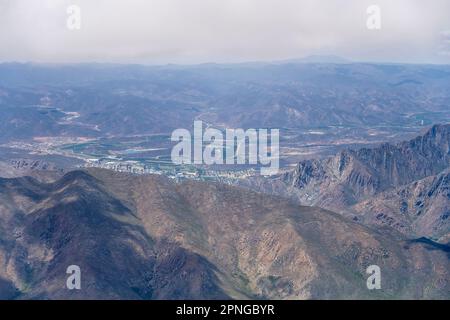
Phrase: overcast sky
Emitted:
{"points": [[197, 31]]}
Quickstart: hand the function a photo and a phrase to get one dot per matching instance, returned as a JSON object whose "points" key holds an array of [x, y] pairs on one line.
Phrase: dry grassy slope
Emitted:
{"points": [[268, 247], [146, 237], [47, 227]]}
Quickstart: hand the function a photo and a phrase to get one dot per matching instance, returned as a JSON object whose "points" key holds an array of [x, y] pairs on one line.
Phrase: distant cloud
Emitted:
{"points": [[195, 31]]}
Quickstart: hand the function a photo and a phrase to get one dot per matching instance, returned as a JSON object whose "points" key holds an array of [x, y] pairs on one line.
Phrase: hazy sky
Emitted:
{"points": [[196, 31]]}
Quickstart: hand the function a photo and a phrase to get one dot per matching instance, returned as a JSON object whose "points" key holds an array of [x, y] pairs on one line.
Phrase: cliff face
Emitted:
{"points": [[351, 176], [395, 165], [419, 209], [150, 238], [366, 181]]}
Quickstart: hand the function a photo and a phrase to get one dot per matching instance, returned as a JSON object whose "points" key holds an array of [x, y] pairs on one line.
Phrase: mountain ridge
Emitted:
{"points": [[147, 237], [368, 171], [353, 179]]}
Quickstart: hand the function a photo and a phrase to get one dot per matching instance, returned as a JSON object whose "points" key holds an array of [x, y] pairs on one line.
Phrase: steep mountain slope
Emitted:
{"points": [[403, 186], [421, 208], [142, 237], [352, 176], [74, 222]]}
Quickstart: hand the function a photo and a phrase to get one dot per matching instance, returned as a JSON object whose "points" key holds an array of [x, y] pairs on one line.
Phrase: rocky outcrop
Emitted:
{"points": [[419, 209], [402, 186], [352, 176]]}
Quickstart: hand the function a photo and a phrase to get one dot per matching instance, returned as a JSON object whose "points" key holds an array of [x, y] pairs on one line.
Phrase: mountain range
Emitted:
{"points": [[402, 185], [310, 232], [102, 100], [148, 237]]}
